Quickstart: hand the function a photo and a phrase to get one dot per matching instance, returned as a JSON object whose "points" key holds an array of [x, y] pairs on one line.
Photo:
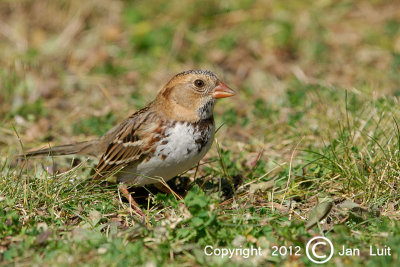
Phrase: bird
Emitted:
{"points": [[165, 138]]}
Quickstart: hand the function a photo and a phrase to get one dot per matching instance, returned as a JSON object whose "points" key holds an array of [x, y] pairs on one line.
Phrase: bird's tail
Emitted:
{"points": [[83, 148]]}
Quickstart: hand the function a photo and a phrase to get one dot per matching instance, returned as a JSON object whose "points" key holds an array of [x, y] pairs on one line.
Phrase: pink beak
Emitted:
{"points": [[222, 91]]}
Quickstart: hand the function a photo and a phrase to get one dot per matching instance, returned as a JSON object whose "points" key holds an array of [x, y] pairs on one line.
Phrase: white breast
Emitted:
{"points": [[182, 148]]}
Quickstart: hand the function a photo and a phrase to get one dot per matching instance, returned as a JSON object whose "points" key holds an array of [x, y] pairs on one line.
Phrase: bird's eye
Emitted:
{"points": [[199, 83]]}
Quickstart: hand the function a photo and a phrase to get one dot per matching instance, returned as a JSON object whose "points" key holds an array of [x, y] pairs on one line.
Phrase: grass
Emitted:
{"points": [[309, 146]]}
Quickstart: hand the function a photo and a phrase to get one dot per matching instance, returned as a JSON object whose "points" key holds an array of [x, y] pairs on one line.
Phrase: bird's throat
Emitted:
{"points": [[206, 110]]}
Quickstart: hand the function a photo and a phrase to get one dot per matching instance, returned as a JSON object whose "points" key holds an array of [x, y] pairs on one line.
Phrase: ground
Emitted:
{"points": [[308, 147]]}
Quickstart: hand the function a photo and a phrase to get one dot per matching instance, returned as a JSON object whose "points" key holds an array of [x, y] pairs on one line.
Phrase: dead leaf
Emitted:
{"points": [[319, 213], [43, 237], [95, 217], [78, 234], [254, 158], [114, 228], [348, 204], [262, 187]]}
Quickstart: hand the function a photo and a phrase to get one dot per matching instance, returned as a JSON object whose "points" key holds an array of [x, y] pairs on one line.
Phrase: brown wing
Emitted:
{"points": [[133, 141]]}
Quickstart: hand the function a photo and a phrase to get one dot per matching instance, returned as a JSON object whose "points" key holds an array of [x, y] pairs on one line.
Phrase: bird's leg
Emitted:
{"points": [[132, 202]]}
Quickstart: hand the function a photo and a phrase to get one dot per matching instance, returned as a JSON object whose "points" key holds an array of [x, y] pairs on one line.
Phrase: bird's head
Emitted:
{"points": [[191, 95]]}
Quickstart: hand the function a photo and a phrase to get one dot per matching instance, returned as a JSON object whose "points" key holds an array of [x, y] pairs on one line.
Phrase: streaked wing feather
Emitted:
{"points": [[128, 145]]}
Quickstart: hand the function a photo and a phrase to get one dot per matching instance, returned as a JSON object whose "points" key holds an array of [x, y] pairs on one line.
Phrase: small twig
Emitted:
{"points": [[344, 219]]}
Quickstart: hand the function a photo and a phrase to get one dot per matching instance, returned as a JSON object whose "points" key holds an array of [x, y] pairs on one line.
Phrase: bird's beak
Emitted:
{"points": [[222, 91]]}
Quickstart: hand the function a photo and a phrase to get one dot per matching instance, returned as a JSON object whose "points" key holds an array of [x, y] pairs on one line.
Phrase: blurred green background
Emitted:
{"points": [[94, 62]]}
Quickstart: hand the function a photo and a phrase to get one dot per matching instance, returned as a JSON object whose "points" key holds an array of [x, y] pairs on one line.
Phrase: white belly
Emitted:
{"points": [[182, 151]]}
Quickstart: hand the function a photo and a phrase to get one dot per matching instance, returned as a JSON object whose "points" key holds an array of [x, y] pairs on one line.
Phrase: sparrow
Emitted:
{"points": [[160, 141]]}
